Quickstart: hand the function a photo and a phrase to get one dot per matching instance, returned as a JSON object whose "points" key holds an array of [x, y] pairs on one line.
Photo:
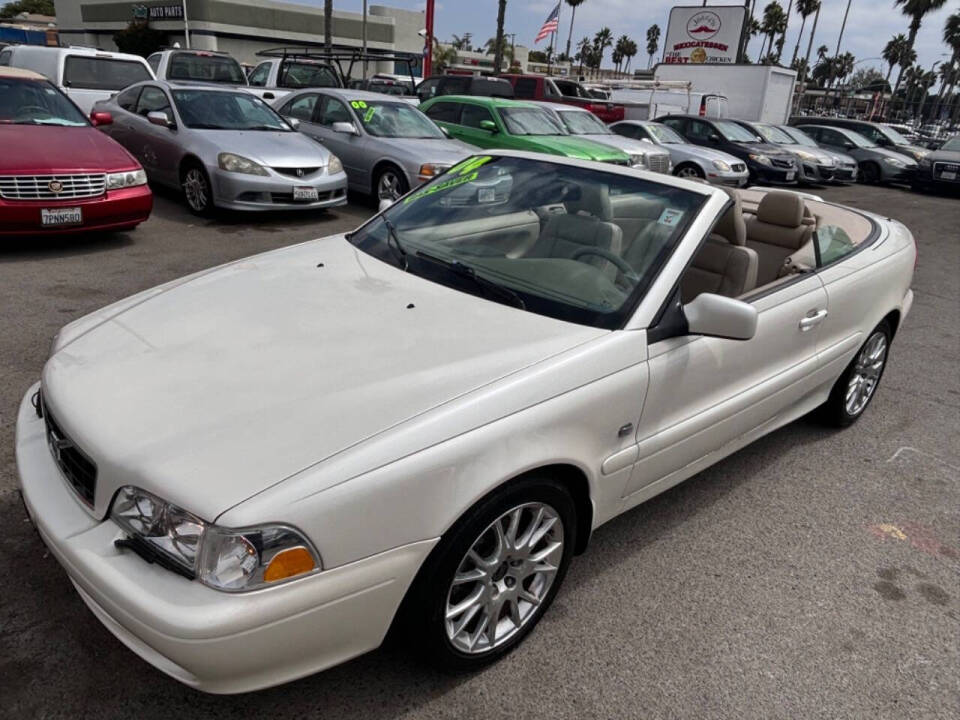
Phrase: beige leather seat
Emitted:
{"points": [[780, 228], [723, 265], [587, 223]]}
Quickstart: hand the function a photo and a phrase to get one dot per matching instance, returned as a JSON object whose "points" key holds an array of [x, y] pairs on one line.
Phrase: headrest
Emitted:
{"points": [[594, 200], [781, 208], [731, 226]]}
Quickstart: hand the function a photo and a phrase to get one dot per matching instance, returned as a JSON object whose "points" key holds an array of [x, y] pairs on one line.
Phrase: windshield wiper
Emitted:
{"points": [[460, 270], [396, 246]]}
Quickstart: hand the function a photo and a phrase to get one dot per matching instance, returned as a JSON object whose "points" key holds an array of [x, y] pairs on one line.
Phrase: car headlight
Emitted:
{"points": [[334, 167], [638, 160], [804, 155], [222, 558], [896, 162], [131, 178], [431, 170], [919, 154], [239, 164], [762, 159], [722, 166]]}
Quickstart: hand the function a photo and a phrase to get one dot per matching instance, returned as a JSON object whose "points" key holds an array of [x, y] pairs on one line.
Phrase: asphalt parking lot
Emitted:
{"points": [[814, 574]]}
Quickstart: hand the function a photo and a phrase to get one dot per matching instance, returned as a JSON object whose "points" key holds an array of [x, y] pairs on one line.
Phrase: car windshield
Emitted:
{"points": [[580, 122], [36, 102], [773, 134], [892, 135], [305, 73], [530, 121], [540, 236], [799, 136], [205, 67], [568, 88], [395, 120], [213, 110], [858, 139], [953, 144], [664, 134], [734, 132]]}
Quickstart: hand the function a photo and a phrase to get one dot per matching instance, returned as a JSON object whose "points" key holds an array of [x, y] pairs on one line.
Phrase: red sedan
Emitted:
{"points": [[58, 174]]}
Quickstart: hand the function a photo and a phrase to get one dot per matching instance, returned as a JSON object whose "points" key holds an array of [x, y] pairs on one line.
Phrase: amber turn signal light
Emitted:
{"points": [[289, 563]]}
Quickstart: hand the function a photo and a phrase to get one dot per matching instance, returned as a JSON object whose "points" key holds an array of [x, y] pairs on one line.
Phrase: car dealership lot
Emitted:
{"points": [[814, 573]]}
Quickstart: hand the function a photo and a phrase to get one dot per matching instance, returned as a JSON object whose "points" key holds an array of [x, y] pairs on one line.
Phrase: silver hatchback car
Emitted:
{"points": [[224, 147], [386, 144]]}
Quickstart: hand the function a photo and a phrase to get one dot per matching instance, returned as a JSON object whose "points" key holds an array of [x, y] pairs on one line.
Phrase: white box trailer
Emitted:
{"points": [[754, 92]]}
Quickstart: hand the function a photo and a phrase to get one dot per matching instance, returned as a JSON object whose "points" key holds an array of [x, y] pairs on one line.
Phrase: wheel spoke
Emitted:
{"points": [[465, 604], [469, 576], [512, 528], [514, 608], [465, 619], [525, 594]]}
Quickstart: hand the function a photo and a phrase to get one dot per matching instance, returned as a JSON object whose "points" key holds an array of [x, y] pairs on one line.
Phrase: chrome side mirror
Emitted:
{"points": [[160, 118], [347, 128], [722, 317], [293, 122]]}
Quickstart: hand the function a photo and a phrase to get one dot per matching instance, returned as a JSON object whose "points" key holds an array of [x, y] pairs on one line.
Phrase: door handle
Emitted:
{"points": [[813, 318]]}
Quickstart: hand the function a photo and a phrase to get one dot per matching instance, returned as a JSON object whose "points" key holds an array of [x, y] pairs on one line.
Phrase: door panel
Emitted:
{"points": [[707, 392]]}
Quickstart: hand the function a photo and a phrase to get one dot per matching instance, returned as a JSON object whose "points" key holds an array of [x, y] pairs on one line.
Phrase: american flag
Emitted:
{"points": [[551, 24]]}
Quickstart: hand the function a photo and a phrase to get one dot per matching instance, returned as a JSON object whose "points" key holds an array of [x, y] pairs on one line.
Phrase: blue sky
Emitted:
{"points": [[871, 22]]}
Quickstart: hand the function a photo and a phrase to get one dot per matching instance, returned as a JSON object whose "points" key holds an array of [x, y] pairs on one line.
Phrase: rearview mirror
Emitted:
{"points": [[488, 125], [722, 317], [347, 128], [98, 118], [160, 118]]}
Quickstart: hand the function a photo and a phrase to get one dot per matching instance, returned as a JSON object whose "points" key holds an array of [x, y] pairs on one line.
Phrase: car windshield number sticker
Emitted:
{"points": [[670, 217], [358, 105], [368, 115], [465, 172]]}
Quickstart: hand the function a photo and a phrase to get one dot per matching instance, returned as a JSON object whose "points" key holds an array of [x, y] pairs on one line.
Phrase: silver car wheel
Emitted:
{"points": [[866, 374], [389, 186], [504, 577], [688, 172], [196, 190]]}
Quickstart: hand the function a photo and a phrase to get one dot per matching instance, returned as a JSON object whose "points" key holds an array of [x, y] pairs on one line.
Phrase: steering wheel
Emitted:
{"points": [[23, 112], [622, 265]]}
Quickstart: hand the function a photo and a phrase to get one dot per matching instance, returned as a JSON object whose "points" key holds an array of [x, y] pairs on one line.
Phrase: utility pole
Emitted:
{"points": [[186, 25], [428, 52], [364, 33], [842, 28]]}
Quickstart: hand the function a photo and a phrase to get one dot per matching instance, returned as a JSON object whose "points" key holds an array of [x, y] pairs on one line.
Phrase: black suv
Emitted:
{"points": [[437, 85], [883, 135], [767, 163]]}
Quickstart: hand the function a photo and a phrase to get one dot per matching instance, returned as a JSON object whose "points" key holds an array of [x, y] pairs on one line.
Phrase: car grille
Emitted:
{"points": [[786, 164], [738, 167], [940, 168], [296, 172], [79, 471], [659, 163], [51, 187]]}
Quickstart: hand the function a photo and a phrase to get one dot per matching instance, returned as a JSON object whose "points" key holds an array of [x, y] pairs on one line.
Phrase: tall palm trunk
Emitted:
{"points": [[796, 48], [783, 36], [327, 24], [498, 51], [813, 33], [573, 17]]}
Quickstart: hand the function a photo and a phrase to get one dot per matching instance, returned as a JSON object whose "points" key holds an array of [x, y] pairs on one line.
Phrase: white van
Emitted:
{"points": [[86, 75]]}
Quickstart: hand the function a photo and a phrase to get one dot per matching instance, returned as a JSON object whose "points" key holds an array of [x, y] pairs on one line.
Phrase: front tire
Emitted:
{"points": [[197, 189], [854, 390], [391, 183], [690, 171], [870, 173], [493, 575]]}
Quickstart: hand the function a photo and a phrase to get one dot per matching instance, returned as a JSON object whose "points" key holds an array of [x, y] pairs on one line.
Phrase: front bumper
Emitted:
{"points": [[115, 210], [815, 173], [728, 179], [766, 175], [894, 174], [213, 641], [845, 174], [238, 191]]}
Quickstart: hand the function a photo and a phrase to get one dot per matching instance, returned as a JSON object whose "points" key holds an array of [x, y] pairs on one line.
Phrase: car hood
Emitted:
{"points": [[628, 145], [818, 153], [47, 149], [429, 150], [271, 149], [573, 146], [704, 153], [236, 379], [763, 149], [947, 156]]}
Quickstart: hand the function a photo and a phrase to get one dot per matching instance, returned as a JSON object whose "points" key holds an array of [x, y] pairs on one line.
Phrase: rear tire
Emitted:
{"points": [[689, 171], [854, 390], [492, 574], [197, 189]]}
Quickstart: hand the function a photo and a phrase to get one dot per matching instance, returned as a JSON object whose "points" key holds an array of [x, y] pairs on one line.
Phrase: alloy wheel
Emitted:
{"points": [[196, 190], [865, 377], [688, 172], [389, 186], [504, 578]]}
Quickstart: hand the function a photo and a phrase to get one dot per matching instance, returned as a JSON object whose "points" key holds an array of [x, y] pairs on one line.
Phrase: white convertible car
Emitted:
{"points": [[256, 472]]}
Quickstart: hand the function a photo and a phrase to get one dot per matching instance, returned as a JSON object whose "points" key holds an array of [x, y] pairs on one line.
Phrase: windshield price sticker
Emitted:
{"points": [[368, 115], [358, 105], [670, 217]]}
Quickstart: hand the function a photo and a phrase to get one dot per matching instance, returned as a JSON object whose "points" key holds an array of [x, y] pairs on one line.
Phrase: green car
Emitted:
{"points": [[496, 123]]}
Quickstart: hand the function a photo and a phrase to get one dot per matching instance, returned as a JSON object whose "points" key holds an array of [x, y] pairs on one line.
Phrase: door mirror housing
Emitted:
{"points": [[488, 125], [721, 317], [293, 122], [99, 117], [347, 128], [160, 118], [445, 131], [714, 138]]}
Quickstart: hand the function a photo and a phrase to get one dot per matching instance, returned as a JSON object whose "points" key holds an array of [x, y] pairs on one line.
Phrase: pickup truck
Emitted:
{"points": [[567, 92]]}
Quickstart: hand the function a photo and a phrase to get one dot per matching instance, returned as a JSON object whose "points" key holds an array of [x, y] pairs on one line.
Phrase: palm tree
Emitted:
{"points": [[893, 52], [653, 42], [951, 36], [328, 25], [461, 43], [601, 41], [916, 10], [443, 56], [752, 30], [583, 50], [805, 8], [619, 54], [573, 16], [498, 55], [630, 51], [774, 22]]}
